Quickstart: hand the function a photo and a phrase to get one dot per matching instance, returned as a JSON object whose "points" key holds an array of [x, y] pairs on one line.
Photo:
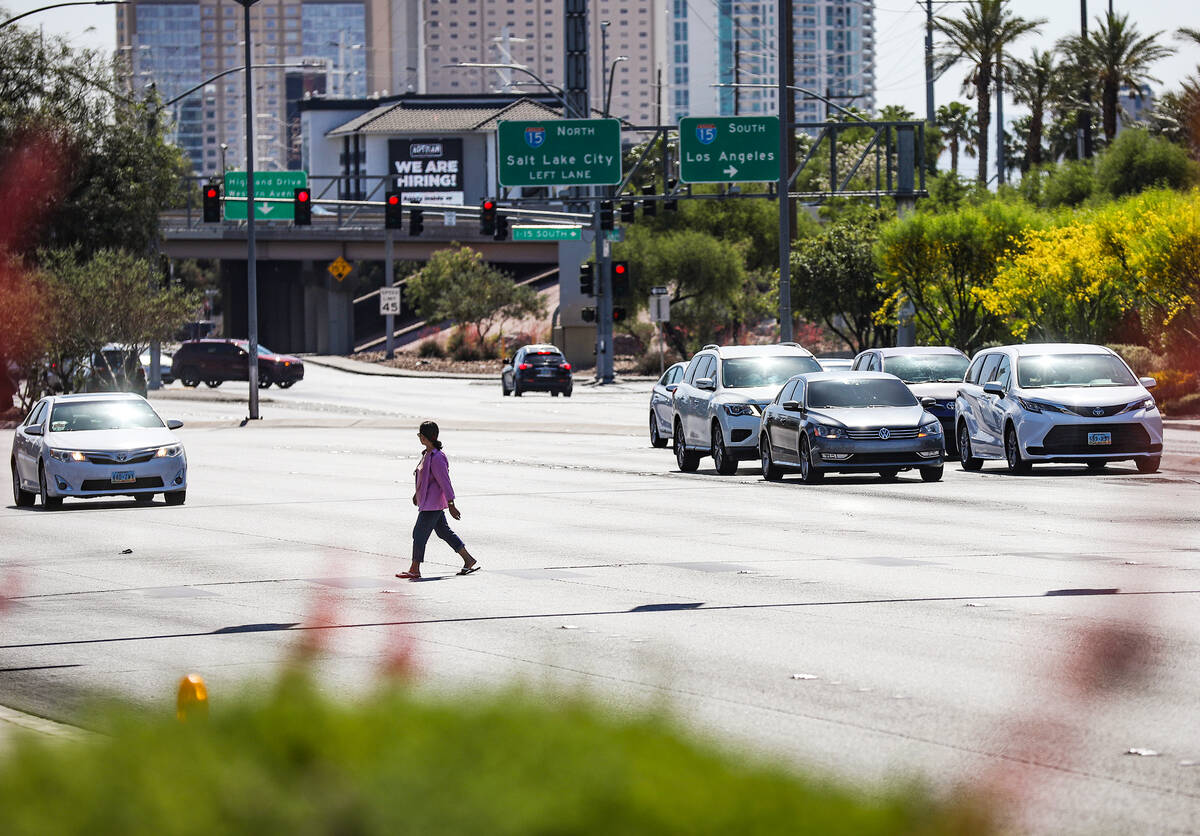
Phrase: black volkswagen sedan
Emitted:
{"points": [[536, 368], [848, 422]]}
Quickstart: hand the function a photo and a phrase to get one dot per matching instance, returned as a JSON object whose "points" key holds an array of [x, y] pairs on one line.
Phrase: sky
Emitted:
{"points": [[899, 40]]}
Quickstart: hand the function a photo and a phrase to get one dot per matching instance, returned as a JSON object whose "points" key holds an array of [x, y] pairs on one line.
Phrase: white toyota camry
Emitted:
{"points": [[104, 444]]}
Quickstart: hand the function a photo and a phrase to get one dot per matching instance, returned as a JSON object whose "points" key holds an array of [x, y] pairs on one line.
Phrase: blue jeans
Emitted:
{"points": [[432, 522]]}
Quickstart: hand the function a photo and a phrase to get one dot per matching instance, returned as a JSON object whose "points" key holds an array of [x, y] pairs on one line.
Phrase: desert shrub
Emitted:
{"points": [[430, 348], [1142, 360], [1185, 407], [1173, 384], [1070, 184], [1137, 161]]}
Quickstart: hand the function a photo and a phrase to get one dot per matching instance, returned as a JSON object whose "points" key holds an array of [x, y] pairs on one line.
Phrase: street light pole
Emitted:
{"points": [[251, 267], [15, 18]]}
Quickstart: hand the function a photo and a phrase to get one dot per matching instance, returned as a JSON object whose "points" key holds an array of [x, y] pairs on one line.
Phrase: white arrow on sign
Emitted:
{"points": [[729, 172], [265, 208]]}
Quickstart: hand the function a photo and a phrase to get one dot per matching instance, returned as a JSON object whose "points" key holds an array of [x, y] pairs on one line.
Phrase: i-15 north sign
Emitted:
{"points": [[275, 184], [560, 152], [728, 149]]}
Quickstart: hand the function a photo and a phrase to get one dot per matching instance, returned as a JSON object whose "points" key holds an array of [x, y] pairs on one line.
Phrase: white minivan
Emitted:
{"points": [[1056, 402]]}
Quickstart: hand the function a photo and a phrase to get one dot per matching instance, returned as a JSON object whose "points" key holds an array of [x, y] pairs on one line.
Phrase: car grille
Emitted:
{"points": [[872, 434], [139, 457], [1105, 411], [106, 485], [1072, 439]]}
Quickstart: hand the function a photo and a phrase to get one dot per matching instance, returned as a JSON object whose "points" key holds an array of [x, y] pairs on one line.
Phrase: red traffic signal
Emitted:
{"points": [[210, 192], [301, 207], [393, 199], [302, 196], [487, 217], [212, 204], [619, 268], [393, 211]]}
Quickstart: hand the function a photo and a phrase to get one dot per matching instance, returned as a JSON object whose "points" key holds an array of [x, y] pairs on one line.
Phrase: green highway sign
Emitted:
{"points": [[560, 152], [276, 184], [728, 149], [547, 233]]}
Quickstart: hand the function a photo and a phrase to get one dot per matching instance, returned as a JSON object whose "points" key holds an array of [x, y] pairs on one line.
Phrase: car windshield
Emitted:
{"points": [[263, 351], [544, 359], [1045, 371], [927, 368], [103, 415], [744, 372], [858, 393]]}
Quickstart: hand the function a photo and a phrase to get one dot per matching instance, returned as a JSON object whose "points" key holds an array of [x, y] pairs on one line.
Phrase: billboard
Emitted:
{"points": [[427, 170]]}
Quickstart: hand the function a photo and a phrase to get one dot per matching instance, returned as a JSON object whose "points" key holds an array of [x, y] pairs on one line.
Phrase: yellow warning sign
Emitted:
{"points": [[340, 268]]}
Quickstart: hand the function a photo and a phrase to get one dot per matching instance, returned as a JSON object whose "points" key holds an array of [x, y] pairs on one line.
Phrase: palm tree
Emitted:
{"points": [[1118, 56], [980, 38], [1033, 85], [957, 123]]}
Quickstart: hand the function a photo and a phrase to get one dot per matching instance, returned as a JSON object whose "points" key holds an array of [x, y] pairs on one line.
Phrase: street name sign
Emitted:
{"points": [[275, 184], [728, 149], [547, 233], [389, 301], [560, 152]]}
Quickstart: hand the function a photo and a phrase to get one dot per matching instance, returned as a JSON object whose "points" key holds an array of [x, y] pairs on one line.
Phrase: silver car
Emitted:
{"points": [[660, 405], [103, 444]]}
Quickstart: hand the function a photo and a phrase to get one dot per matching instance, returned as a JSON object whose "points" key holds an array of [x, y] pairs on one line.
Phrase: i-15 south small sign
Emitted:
{"points": [[560, 152], [728, 149]]}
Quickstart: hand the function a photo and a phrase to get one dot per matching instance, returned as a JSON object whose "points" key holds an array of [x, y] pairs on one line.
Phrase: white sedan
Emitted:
{"points": [[102, 444]]}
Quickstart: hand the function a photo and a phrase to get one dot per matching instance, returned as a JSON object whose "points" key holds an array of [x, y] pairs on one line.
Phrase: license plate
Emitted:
{"points": [[1099, 438], [546, 372], [123, 477]]}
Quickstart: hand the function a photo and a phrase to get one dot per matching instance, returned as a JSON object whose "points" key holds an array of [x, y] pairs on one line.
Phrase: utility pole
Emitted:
{"points": [[1001, 175], [251, 263], [1084, 131], [787, 158], [930, 114]]}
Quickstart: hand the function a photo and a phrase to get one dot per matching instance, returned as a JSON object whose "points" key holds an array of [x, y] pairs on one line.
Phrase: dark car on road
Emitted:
{"points": [[215, 361], [536, 368]]}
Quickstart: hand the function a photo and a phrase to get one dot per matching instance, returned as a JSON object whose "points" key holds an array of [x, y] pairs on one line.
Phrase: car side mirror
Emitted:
{"points": [[993, 388], [791, 406], [926, 403], [174, 424], [706, 383], [1148, 382], [671, 387], [35, 429], [507, 361]]}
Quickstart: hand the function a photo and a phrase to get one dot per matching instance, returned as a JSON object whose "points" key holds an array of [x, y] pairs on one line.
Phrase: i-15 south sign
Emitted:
{"points": [[729, 149], [560, 152]]}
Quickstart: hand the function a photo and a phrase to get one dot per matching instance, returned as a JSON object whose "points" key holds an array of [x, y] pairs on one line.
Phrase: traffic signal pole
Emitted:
{"points": [[604, 303], [389, 279], [251, 271]]}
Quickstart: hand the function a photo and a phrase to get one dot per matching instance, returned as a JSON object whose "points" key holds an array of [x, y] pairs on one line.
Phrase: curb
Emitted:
{"points": [[18, 722], [347, 364]]}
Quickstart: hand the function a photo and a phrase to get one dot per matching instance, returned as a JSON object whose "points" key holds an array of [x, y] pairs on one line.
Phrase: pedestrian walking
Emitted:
{"points": [[433, 496]]}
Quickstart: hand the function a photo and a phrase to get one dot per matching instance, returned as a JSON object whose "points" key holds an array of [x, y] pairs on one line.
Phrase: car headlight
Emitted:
{"points": [[1145, 403], [932, 428], [66, 456], [739, 409], [1040, 406], [169, 451], [826, 431]]}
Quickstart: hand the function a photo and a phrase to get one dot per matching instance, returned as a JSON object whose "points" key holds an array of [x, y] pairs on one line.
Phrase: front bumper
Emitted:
{"points": [[1065, 438], [87, 479], [846, 455], [740, 433]]}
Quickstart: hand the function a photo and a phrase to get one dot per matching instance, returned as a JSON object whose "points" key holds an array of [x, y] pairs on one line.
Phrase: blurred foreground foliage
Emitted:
{"points": [[293, 761]]}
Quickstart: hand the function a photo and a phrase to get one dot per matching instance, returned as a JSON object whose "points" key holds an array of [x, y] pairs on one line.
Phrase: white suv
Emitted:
{"points": [[718, 402]]}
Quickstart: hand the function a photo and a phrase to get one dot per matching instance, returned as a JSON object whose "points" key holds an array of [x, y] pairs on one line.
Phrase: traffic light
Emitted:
{"points": [[393, 211], [620, 279], [649, 207], [587, 279], [212, 203], [501, 233], [487, 217], [302, 207], [618, 314], [588, 314], [671, 205], [628, 207], [416, 221], [606, 215]]}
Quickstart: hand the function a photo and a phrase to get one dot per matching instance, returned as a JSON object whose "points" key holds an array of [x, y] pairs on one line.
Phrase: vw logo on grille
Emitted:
{"points": [[885, 433], [122, 456], [1097, 412]]}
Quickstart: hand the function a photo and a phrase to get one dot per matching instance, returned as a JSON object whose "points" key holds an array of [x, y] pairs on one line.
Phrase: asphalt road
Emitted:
{"points": [[1021, 633]]}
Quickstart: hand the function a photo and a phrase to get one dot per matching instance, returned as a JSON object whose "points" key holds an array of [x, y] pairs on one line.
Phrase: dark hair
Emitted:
{"points": [[430, 431]]}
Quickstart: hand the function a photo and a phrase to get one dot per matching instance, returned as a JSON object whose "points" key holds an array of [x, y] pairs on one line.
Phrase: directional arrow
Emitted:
{"points": [[730, 171], [265, 208]]}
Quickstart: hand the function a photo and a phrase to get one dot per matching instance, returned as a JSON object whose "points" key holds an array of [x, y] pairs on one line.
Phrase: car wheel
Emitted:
{"points": [[285, 384], [566, 393], [264, 380], [686, 461], [213, 384], [808, 471], [22, 498], [143, 498], [1096, 467], [504, 389], [726, 464], [49, 503], [516, 390], [933, 473], [175, 497], [1148, 464], [1012, 452], [554, 393], [965, 458], [189, 377], [656, 440], [888, 474], [769, 471]]}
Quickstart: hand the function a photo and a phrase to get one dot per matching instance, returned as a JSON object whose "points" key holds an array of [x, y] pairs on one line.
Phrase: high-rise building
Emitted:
{"points": [[731, 42], [531, 33], [177, 45]]}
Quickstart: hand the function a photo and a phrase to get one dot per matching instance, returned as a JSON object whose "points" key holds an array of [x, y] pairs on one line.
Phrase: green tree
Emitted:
{"points": [[1137, 161], [980, 38], [957, 123], [1117, 55], [1034, 86], [941, 263], [833, 281], [457, 284]]}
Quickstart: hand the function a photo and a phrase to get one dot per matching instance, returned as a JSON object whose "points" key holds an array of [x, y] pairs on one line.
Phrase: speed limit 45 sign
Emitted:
{"points": [[389, 301]]}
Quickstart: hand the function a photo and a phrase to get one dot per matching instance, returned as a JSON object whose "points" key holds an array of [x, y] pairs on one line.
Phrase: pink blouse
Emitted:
{"points": [[434, 491]]}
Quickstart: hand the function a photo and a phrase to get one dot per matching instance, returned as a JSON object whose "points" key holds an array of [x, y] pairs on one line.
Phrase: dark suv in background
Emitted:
{"points": [[215, 361], [536, 368]]}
